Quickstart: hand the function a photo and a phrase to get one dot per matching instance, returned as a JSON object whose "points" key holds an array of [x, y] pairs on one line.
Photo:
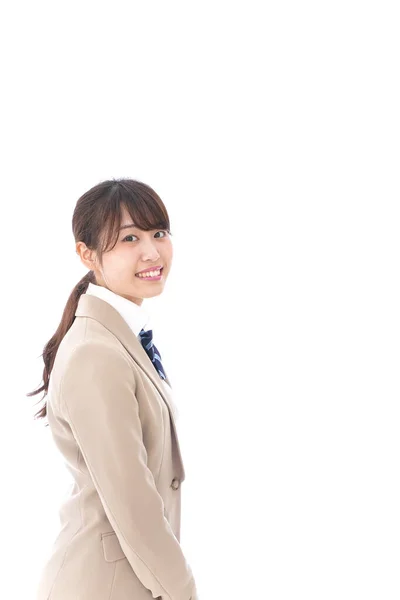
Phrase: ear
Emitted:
{"points": [[87, 256]]}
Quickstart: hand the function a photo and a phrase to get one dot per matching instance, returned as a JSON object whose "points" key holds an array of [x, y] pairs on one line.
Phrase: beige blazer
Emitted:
{"points": [[112, 419]]}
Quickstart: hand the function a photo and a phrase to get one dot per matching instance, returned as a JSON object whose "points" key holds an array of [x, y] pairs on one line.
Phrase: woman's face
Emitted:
{"points": [[134, 251]]}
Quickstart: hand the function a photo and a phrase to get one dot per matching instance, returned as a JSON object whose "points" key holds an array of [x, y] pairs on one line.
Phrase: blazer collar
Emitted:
{"points": [[135, 315], [100, 310]]}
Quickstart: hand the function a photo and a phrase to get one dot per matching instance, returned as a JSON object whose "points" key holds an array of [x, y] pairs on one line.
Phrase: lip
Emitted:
{"points": [[156, 278], [150, 269]]}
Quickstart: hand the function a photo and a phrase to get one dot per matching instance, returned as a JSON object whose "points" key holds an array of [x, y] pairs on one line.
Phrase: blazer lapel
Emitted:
{"points": [[96, 308]]}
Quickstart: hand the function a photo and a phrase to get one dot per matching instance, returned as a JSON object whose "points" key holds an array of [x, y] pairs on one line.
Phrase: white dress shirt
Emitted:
{"points": [[136, 316]]}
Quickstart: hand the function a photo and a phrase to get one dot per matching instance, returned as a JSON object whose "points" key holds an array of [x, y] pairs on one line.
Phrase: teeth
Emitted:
{"points": [[149, 274]]}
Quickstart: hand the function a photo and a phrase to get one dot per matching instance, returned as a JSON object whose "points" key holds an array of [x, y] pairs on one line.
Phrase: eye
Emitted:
{"points": [[131, 235], [128, 236]]}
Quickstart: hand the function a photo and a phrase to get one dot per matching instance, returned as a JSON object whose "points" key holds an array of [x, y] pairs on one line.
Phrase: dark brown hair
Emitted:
{"points": [[96, 221]]}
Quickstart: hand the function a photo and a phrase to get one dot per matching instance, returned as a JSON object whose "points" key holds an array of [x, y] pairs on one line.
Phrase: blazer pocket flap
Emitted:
{"points": [[111, 547]]}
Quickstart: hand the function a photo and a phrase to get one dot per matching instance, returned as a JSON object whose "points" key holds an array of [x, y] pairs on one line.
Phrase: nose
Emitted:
{"points": [[150, 253]]}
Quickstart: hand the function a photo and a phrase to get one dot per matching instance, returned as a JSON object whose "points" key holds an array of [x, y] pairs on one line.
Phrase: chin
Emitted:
{"points": [[153, 295]]}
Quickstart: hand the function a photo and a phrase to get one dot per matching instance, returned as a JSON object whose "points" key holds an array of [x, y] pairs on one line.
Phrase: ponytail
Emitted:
{"points": [[50, 349]]}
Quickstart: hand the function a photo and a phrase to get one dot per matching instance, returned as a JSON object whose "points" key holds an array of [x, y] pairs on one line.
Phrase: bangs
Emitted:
{"points": [[143, 204]]}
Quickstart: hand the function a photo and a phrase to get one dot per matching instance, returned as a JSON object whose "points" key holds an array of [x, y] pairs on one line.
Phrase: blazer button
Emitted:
{"points": [[175, 483]]}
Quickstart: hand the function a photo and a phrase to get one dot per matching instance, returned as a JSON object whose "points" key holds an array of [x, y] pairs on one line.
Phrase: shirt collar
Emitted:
{"points": [[136, 316]]}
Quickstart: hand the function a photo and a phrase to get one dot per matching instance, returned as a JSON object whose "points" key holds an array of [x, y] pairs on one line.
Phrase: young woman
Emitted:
{"points": [[111, 413]]}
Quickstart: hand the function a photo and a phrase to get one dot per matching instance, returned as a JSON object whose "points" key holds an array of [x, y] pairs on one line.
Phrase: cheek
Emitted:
{"points": [[169, 251], [117, 265]]}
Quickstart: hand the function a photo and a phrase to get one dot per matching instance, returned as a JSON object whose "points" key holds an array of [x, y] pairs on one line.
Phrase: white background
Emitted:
{"points": [[271, 132]]}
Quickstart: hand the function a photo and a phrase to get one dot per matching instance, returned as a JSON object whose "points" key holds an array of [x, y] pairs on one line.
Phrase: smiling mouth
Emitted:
{"points": [[153, 278]]}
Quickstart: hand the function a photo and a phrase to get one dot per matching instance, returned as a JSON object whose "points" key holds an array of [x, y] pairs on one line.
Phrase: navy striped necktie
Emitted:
{"points": [[146, 338]]}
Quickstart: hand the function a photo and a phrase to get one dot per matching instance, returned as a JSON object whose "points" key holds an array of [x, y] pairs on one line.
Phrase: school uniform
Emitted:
{"points": [[111, 415]]}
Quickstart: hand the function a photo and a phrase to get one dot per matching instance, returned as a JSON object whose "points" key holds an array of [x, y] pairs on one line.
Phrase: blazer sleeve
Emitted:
{"points": [[97, 398]]}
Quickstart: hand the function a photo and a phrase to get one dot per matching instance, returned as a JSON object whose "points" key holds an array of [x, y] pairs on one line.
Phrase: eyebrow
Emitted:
{"points": [[128, 226]]}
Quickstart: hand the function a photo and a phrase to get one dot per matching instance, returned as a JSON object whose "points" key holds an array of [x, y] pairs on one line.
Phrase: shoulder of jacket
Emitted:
{"points": [[92, 350]]}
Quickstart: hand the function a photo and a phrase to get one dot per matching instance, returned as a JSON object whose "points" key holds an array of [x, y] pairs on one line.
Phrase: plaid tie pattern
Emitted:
{"points": [[146, 338]]}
